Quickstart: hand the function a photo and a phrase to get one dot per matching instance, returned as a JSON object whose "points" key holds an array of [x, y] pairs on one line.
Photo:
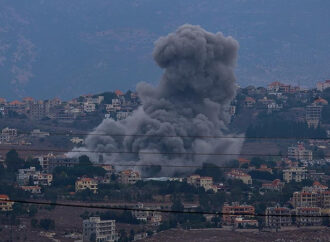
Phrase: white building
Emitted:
{"points": [[77, 140], [38, 133], [320, 86], [299, 152], [296, 174], [95, 100], [89, 107], [100, 230], [122, 115], [7, 134]]}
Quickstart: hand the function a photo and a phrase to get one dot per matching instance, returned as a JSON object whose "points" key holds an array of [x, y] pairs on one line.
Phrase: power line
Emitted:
{"points": [[161, 210], [180, 136]]}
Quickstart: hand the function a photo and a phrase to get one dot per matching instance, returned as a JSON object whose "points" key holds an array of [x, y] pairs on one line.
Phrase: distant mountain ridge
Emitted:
{"points": [[67, 48]]}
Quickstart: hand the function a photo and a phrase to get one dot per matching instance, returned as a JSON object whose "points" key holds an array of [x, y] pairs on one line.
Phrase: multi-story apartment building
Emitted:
{"points": [[313, 114], [278, 217], [54, 162], [86, 183], [305, 199], [308, 216], [7, 135], [240, 175], [44, 161], [37, 110], [95, 229], [5, 204], [315, 196], [299, 152], [24, 175], [129, 177], [296, 174], [231, 212], [325, 199]]}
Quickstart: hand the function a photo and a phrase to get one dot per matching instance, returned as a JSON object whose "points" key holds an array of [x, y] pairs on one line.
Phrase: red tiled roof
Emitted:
{"points": [[249, 99], [15, 102], [321, 100], [27, 99], [4, 197], [119, 93]]}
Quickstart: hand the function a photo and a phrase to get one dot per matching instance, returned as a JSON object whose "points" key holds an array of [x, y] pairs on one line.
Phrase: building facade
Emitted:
{"points": [[277, 217], [95, 229], [86, 183]]}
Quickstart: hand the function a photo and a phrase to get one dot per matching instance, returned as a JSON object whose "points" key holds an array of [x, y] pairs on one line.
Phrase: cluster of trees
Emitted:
{"points": [[45, 223]]}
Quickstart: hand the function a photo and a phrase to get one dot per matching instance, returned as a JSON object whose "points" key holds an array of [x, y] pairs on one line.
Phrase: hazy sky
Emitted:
{"points": [[67, 48]]}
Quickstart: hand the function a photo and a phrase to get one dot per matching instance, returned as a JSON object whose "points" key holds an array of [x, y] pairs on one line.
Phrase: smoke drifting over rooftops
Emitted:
{"points": [[191, 99]]}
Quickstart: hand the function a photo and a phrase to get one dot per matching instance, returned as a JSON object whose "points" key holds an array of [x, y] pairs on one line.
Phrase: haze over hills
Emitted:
{"points": [[66, 48]]}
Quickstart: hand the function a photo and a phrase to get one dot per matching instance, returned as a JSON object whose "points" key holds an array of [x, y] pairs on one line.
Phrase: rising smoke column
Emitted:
{"points": [[191, 99]]}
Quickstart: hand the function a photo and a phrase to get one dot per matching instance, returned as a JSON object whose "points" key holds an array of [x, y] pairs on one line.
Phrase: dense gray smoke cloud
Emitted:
{"points": [[191, 100]]}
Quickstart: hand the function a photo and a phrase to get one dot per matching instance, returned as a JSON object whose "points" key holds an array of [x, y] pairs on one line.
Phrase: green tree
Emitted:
{"points": [[13, 161], [47, 224]]}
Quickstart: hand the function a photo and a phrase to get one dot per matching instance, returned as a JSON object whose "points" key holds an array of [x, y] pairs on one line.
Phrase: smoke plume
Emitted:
{"points": [[191, 99]]}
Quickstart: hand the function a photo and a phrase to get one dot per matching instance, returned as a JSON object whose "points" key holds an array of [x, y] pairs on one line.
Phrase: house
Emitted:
{"points": [[249, 102], [275, 185], [102, 230], [86, 183], [77, 140], [243, 161], [43, 179], [278, 87], [277, 217], [264, 168], [320, 101], [202, 181], [32, 189], [5, 203], [243, 223], [235, 210], [119, 93], [129, 177], [89, 107], [240, 175]]}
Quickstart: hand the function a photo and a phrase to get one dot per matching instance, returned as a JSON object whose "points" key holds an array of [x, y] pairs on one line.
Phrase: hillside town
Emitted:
{"points": [[284, 187]]}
